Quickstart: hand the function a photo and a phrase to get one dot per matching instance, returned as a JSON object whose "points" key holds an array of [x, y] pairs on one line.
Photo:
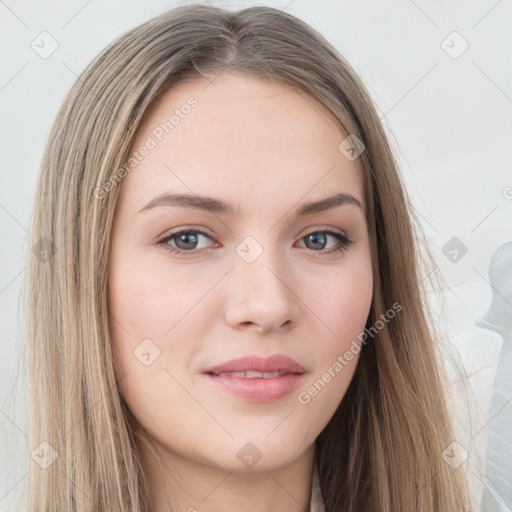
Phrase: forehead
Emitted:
{"points": [[239, 135]]}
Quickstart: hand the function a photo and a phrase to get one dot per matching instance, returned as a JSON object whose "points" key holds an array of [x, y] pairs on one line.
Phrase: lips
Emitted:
{"points": [[251, 374], [272, 364], [258, 379]]}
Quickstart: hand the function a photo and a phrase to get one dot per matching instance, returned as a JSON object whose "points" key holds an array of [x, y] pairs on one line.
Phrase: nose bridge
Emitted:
{"points": [[261, 293], [258, 265]]}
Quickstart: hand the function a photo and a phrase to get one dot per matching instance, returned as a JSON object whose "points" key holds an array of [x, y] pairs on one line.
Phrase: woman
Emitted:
{"points": [[229, 313]]}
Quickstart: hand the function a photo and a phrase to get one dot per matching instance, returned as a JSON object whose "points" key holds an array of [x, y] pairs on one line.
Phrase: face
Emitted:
{"points": [[224, 247]]}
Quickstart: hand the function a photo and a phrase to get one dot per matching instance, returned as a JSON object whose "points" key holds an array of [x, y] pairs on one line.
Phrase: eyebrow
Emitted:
{"points": [[218, 206]]}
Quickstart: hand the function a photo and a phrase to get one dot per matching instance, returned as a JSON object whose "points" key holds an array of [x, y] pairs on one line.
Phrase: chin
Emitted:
{"points": [[257, 453]]}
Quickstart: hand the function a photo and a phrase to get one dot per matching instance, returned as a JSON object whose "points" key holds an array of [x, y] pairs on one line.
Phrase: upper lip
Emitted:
{"points": [[275, 363]]}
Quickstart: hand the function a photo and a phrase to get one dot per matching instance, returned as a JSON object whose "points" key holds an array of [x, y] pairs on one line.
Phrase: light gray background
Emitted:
{"points": [[449, 119]]}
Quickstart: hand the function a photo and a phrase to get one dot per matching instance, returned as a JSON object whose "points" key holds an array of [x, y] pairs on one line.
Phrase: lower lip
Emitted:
{"points": [[260, 390]]}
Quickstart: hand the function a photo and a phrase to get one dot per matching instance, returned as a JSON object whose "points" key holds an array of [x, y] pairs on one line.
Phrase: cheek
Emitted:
{"points": [[342, 302], [148, 299], [149, 310]]}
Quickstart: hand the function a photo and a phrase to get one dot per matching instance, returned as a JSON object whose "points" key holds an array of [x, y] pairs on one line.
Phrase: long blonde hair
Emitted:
{"points": [[382, 450]]}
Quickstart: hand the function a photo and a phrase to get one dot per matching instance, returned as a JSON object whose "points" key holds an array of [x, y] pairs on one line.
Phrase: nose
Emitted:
{"points": [[261, 296]]}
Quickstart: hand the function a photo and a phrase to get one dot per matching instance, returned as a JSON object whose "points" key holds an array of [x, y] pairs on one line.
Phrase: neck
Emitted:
{"points": [[181, 484]]}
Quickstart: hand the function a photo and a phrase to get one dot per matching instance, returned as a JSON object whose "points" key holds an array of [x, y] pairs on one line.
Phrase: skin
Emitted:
{"points": [[266, 148]]}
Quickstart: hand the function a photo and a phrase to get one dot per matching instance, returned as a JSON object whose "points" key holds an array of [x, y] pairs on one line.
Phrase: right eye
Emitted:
{"points": [[184, 241]]}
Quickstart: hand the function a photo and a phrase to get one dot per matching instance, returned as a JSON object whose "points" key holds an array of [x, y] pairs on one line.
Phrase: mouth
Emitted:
{"points": [[258, 367], [258, 379], [251, 374]]}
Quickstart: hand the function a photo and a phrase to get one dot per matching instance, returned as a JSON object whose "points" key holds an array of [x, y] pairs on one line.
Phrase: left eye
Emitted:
{"points": [[320, 238]]}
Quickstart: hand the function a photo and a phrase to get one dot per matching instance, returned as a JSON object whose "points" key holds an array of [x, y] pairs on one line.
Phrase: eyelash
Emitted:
{"points": [[344, 241]]}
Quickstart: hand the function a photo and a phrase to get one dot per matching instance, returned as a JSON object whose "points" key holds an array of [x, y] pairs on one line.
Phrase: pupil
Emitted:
{"points": [[317, 238], [189, 239]]}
